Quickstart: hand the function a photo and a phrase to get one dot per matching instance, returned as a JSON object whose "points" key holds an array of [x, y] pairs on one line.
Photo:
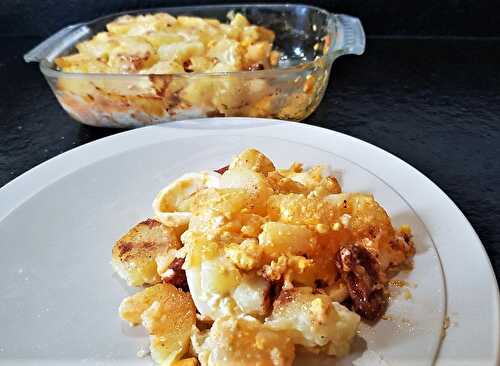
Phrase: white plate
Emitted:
{"points": [[58, 222]]}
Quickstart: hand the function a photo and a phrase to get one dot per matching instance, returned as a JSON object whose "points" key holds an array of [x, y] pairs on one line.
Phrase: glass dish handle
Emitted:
{"points": [[350, 36], [59, 40]]}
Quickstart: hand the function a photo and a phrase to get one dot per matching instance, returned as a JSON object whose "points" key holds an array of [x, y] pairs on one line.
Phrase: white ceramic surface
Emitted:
{"points": [[58, 222]]}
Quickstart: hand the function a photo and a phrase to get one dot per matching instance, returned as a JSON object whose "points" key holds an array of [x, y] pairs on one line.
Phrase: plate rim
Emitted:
{"points": [[28, 184]]}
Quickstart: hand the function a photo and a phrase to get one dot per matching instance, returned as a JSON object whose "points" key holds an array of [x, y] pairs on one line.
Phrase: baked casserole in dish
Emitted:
{"points": [[158, 65]]}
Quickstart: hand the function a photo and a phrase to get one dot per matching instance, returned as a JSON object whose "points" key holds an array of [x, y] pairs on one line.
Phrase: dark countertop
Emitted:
{"points": [[434, 102]]}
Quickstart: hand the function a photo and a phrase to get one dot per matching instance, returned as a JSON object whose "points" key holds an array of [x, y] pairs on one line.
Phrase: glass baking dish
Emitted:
{"points": [[309, 39]]}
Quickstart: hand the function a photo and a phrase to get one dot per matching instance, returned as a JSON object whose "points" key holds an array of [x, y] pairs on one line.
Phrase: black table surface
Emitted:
{"points": [[434, 102]]}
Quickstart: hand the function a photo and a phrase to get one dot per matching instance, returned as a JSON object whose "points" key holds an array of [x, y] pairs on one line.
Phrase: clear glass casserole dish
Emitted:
{"points": [[309, 39]]}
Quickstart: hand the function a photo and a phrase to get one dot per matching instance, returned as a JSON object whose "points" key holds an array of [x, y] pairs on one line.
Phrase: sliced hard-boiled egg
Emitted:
{"points": [[218, 288], [211, 284], [168, 204]]}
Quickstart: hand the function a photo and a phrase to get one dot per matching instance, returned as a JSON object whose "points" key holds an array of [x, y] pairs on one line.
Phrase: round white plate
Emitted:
{"points": [[58, 222]]}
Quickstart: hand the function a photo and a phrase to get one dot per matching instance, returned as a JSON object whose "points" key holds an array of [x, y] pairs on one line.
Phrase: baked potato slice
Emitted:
{"points": [[244, 341], [168, 314], [254, 160], [134, 254], [314, 321]]}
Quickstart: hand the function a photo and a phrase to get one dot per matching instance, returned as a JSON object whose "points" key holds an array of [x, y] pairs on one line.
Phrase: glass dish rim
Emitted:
{"points": [[49, 71]]}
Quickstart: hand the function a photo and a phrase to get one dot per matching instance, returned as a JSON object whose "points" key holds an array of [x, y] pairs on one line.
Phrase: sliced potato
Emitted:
{"points": [[314, 320], [141, 24], [224, 201], [190, 21], [368, 218], [168, 314], [254, 183], [327, 186], [299, 209], [133, 306], [244, 341], [169, 323], [227, 52], [164, 68], [239, 21], [134, 255], [79, 62], [282, 184], [98, 47], [279, 238], [254, 160], [216, 226], [158, 39], [257, 52], [372, 227], [132, 55], [181, 51]]}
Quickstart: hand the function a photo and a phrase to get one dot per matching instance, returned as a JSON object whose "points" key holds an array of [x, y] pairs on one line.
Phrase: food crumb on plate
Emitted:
{"points": [[407, 295], [446, 323], [370, 358], [142, 352]]}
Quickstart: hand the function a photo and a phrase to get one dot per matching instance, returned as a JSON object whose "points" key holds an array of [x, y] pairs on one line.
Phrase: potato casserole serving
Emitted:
{"points": [[152, 66], [250, 264], [160, 46]]}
